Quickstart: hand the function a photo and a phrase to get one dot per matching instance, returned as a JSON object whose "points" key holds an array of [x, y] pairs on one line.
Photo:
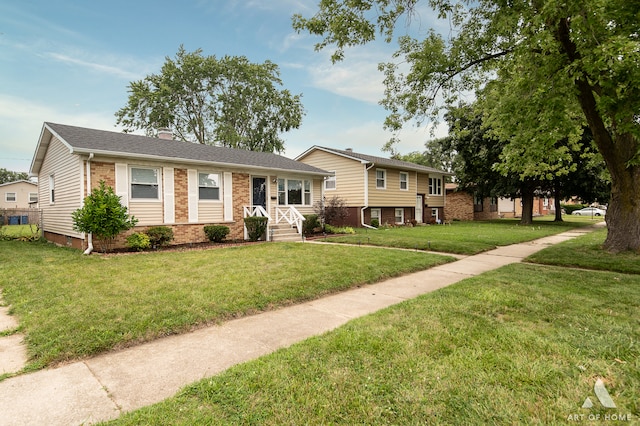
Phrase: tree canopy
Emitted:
{"points": [[541, 70], [226, 102], [10, 176]]}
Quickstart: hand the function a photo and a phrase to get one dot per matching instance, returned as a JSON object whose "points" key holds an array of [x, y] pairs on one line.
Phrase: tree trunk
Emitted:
{"points": [[556, 202], [527, 205], [623, 214]]}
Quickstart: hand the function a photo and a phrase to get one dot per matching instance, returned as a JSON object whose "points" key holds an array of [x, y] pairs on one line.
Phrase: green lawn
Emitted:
{"points": [[72, 306], [520, 345], [586, 252], [462, 237], [16, 231]]}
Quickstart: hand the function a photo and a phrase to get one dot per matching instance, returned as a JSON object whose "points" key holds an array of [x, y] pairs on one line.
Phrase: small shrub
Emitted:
{"points": [[375, 223], [333, 210], [339, 230], [138, 241], [216, 233], [570, 208], [310, 223], [256, 227], [159, 235]]}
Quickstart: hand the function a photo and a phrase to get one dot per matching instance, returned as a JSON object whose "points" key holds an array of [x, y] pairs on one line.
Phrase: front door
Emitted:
{"points": [[419, 208], [259, 192]]}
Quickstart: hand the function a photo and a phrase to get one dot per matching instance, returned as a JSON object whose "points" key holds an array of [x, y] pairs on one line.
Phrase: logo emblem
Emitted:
{"points": [[602, 394]]}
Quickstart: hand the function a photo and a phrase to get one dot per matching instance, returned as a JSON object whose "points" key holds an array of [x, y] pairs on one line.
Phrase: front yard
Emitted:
{"points": [[461, 237], [520, 345], [72, 306]]}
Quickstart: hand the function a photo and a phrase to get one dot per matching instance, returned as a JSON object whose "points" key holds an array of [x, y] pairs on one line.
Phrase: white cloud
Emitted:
{"points": [[21, 121], [94, 66]]}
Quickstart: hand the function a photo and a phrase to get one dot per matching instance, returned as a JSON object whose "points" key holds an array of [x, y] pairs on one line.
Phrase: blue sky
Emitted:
{"points": [[70, 62]]}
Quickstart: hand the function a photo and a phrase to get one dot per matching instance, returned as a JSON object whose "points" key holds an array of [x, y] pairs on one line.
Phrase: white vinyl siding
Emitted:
{"points": [[64, 171]]}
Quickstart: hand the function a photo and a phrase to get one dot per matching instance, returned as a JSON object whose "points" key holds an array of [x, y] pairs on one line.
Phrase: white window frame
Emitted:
{"points": [[377, 214], [33, 197], [52, 189], [435, 186], [306, 191], [384, 179], [6, 197], [158, 184], [330, 182], [219, 187], [405, 181], [401, 215]]}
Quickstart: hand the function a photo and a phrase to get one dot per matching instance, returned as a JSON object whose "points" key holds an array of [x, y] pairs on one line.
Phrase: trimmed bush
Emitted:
{"points": [[159, 235], [256, 227], [310, 223], [216, 233], [138, 241], [375, 223], [339, 230]]}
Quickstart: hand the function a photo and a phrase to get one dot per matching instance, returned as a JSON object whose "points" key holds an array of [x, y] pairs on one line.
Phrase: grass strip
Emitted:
{"points": [[586, 252]]}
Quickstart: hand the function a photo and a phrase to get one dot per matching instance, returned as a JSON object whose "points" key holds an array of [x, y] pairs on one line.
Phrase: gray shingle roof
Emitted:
{"points": [[83, 140], [380, 161]]}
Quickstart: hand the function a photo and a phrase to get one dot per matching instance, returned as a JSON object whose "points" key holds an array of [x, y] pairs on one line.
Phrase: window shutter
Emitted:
{"points": [[169, 197], [122, 183], [193, 195], [228, 196]]}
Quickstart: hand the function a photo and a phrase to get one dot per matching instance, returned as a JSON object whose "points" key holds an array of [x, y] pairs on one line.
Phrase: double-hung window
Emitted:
{"points": [[33, 197], [435, 186], [404, 181], [399, 215], [208, 186], [381, 179], [330, 182], [10, 197], [145, 183]]}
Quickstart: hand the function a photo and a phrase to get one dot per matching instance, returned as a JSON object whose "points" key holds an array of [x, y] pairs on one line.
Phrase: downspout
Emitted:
{"points": [[90, 235], [366, 197]]}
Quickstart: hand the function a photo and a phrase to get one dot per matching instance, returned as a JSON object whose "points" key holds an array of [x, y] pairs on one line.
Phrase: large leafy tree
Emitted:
{"points": [[10, 176], [227, 102], [552, 66]]}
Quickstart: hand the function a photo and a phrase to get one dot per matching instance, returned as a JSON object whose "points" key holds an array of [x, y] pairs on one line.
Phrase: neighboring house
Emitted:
{"points": [[391, 191], [463, 205], [20, 194], [166, 182]]}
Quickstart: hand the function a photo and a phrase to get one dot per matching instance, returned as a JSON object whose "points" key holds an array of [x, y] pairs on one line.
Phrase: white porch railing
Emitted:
{"points": [[291, 215], [255, 211]]}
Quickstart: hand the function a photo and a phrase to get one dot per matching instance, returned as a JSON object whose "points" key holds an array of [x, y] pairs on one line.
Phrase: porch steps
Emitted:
{"points": [[285, 233]]}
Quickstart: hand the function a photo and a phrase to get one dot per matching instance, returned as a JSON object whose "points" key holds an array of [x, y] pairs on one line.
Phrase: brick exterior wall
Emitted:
{"points": [[183, 232], [459, 206]]}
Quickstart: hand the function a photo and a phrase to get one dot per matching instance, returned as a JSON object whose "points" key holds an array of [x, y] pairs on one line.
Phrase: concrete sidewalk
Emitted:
{"points": [[104, 387]]}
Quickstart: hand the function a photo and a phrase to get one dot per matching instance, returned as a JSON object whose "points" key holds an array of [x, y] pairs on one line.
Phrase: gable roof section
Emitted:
{"points": [[81, 140], [378, 161], [19, 181]]}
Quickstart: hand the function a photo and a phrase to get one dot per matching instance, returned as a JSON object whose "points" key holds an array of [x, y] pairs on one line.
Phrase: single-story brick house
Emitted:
{"points": [[167, 182], [380, 189]]}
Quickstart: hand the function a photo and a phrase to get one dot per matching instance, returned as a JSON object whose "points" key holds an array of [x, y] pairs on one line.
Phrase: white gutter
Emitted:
{"points": [[366, 197], [90, 235]]}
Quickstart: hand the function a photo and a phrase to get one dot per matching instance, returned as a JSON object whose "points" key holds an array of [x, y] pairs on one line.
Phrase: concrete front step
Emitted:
{"points": [[285, 233]]}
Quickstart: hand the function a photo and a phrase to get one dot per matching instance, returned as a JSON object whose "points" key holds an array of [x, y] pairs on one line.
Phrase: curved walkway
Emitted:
{"points": [[104, 387]]}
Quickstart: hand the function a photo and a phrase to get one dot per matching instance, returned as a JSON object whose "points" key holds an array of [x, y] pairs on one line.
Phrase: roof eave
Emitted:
{"points": [[195, 162]]}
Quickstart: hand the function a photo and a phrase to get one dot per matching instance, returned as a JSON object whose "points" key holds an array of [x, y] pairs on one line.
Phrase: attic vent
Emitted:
{"points": [[349, 149], [165, 133]]}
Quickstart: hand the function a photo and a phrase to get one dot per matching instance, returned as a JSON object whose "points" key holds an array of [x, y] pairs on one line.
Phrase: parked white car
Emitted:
{"points": [[590, 211]]}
